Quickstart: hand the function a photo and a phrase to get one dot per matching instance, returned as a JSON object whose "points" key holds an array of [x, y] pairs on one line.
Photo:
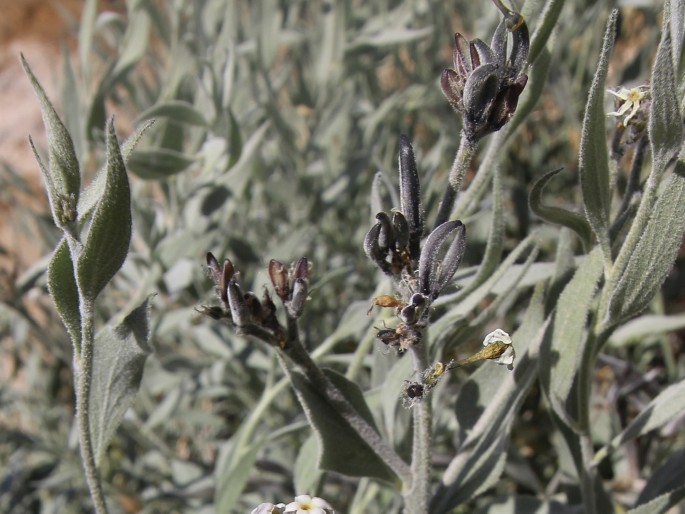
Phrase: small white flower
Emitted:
{"points": [[630, 101], [269, 508], [305, 504], [508, 355]]}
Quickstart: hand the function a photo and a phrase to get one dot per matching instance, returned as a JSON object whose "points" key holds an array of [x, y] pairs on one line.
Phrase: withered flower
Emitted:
{"points": [[485, 85]]}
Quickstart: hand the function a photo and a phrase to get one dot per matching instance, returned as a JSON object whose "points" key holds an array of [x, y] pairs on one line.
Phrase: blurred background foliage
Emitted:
{"points": [[272, 119]]}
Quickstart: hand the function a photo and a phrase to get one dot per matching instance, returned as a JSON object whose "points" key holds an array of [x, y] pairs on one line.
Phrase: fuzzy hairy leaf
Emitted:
{"points": [[342, 450], [93, 192], [593, 159], [557, 215], [119, 354], [106, 244], [562, 351], [652, 258], [62, 286], [665, 121], [63, 176]]}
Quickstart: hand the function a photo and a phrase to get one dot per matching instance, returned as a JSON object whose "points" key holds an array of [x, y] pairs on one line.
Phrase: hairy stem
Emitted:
{"points": [[461, 163], [83, 365], [416, 498]]}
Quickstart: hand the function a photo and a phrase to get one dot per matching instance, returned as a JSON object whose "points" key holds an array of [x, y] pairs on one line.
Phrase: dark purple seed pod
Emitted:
{"points": [[386, 237], [428, 263], [400, 228], [373, 250], [409, 314], [452, 259], [410, 196]]}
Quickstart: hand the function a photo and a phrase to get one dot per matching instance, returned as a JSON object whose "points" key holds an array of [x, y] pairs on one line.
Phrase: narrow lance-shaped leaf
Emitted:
{"points": [[593, 162], [106, 244], [62, 286], [119, 355], [561, 352], [652, 258], [557, 215], [665, 121], [62, 176]]}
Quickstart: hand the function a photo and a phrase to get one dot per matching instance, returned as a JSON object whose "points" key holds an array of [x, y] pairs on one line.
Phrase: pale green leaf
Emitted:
{"points": [[106, 244], [557, 215], [342, 448], [119, 354], [62, 286], [305, 476], [93, 192], [135, 43], [593, 159], [62, 176], [158, 164], [176, 110], [652, 258], [542, 33], [562, 352], [232, 475], [665, 121], [646, 327]]}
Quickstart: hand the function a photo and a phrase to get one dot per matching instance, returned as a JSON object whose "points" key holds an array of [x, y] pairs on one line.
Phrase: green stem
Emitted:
{"points": [[462, 161], [83, 365], [480, 183], [416, 498], [587, 483]]}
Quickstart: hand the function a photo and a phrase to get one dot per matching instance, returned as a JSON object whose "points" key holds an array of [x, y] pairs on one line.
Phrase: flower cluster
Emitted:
{"points": [[420, 272], [303, 504], [246, 311], [485, 84]]}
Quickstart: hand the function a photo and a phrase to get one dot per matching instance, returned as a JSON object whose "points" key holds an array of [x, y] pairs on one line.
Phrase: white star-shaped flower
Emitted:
{"points": [[630, 101], [305, 504]]}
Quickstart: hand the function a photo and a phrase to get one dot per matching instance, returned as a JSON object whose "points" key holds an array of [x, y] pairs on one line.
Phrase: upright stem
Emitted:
{"points": [[83, 364], [417, 496], [461, 163]]}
